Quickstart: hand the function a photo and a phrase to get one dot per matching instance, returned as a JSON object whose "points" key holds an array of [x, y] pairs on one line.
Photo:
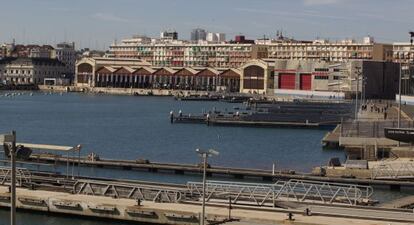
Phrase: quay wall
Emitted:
{"points": [[120, 91], [158, 213]]}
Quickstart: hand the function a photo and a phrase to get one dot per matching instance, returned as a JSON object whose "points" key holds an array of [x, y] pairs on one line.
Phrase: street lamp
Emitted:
{"points": [[205, 155], [358, 74], [11, 139]]}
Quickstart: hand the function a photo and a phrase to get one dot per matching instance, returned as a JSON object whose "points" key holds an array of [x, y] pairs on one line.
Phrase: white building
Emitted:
{"points": [[65, 52], [403, 52], [30, 70], [216, 37]]}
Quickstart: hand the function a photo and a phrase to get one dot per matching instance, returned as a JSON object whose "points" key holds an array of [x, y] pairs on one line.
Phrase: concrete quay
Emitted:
{"points": [[188, 213], [121, 91]]}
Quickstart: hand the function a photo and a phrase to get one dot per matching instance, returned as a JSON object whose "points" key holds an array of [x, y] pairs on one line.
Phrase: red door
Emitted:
{"points": [[305, 82], [287, 81]]}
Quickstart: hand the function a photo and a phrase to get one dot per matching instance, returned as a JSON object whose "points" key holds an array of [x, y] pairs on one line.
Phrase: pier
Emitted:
{"points": [[216, 171], [186, 211]]}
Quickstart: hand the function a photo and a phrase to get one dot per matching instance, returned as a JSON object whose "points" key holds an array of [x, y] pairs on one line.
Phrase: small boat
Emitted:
{"points": [[400, 134]]}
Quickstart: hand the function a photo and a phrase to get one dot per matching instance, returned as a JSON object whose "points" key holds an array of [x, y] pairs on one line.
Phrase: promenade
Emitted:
{"points": [[188, 213]]}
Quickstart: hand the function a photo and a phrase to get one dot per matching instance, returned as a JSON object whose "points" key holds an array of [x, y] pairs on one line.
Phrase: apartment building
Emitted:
{"points": [[65, 52], [329, 51], [185, 54], [403, 52]]}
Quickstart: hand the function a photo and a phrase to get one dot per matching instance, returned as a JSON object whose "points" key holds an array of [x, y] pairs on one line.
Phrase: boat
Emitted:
{"points": [[400, 134]]}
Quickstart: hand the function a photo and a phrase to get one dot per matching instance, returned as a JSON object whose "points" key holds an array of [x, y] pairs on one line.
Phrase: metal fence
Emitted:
{"points": [[393, 170], [23, 176], [374, 129]]}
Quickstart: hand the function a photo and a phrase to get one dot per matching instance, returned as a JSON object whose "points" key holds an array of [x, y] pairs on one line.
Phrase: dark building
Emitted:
{"points": [[241, 39], [198, 34], [381, 79]]}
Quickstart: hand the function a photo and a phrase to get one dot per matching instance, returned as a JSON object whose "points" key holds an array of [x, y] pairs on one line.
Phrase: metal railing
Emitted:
{"points": [[23, 176], [370, 129], [393, 170], [130, 191], [292, 190], [242, 193]]}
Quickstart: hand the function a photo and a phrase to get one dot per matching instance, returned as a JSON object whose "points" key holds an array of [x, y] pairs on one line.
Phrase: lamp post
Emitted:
{"points": [[11, 139], [205, 155], [399, 97], [356, 92], [13, 180]]}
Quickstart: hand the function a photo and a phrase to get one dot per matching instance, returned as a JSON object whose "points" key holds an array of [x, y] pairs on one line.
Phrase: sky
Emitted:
{"points": [[98, 23]]}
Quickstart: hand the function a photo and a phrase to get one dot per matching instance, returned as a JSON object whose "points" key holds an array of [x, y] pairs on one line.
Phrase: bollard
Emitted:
{"points": [[290, 216], [308, 212], [171, 117]]}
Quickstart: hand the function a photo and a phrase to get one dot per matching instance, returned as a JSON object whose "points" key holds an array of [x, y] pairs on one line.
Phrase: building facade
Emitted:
{"points": [[137, 74], [24, 70], [374, 79], [198, 34], [216, 37], [65, 52], [31, 51], [328, 51], [184, 54], [169, 35], [403, 52], [86, 67]]}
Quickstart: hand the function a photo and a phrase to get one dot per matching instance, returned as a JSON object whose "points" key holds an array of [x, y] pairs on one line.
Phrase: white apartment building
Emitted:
{"points": [[403, 52], [186, 54], [329, 51], [216, 37], [65, 52]]}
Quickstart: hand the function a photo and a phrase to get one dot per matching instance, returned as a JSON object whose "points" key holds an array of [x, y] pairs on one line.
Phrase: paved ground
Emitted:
{"points": [[245, 215]]}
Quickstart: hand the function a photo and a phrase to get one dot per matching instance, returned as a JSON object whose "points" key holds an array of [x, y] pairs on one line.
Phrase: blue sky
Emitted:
{"points": [[97, 23]]}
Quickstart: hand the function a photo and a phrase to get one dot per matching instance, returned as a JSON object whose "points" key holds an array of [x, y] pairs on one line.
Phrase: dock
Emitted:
{"points": [[216, 171], [331, 139], [404, 202], [239, 121], [188, 213]]}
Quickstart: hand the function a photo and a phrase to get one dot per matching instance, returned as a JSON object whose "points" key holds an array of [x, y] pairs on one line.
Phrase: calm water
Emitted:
{"points": [[130, 127]]}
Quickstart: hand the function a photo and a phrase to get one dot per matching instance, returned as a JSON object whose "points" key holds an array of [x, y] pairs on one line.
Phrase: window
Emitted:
{"points": [[321, 77]]}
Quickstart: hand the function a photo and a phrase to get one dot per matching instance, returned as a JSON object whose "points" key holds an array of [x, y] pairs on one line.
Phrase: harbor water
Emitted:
{"points": [[130, 127]]}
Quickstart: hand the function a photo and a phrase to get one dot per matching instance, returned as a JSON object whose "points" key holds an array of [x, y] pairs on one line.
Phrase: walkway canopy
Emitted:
{"points": [[6, 141]]}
